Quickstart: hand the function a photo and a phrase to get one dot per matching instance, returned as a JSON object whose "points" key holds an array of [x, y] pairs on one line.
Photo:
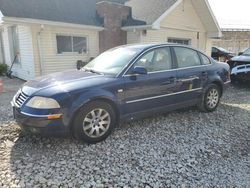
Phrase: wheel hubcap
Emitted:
{"points": [[212, 98], [96, 123]]}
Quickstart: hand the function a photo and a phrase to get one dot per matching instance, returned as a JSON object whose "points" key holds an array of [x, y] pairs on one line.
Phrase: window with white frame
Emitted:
{"points": [[73, 44], [179, 41]]}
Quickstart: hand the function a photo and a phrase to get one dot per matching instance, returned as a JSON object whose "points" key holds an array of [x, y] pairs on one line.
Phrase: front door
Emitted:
{"points": [[154, 89]]}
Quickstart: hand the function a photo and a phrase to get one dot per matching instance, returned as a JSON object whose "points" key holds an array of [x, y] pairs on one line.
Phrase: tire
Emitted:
{"points": [[94, 122], [210, 99]]}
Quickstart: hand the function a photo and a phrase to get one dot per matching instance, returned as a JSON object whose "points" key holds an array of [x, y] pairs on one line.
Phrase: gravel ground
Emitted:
{"points": [[10, 88], [185, 148]]}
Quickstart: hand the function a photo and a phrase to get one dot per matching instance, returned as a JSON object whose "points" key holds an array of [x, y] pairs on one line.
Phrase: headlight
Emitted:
{"points": [[42, 103]]}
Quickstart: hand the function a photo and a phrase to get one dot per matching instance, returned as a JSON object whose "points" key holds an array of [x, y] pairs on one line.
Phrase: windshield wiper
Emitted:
{"points": [[92, 71]]}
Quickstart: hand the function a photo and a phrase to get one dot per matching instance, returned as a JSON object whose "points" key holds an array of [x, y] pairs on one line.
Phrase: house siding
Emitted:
{"points": [[24, 69], [184, 17], [53, 62], [133, 37], [185, 23], [162, 36], [26, 53], [182, 23], [6, 45]]}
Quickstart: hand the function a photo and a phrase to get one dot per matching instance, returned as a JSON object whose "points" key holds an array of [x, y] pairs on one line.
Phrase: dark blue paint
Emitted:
{"points": [[73, 89]]}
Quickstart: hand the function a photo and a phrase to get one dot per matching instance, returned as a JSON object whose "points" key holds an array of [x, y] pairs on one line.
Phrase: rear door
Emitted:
{"points": [[152, 90], [191, 74]]}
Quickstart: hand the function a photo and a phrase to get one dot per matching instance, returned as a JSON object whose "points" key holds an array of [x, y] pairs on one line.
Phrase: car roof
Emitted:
{"points": [[152, 45], [146, 46]]}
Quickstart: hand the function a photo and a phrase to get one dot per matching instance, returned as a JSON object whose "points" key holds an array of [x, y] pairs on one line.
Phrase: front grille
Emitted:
{"points": [[20, 99]]}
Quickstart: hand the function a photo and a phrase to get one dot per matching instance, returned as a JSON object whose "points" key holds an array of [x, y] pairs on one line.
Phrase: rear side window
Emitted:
{"points": [[205, 60], [186, 57]]}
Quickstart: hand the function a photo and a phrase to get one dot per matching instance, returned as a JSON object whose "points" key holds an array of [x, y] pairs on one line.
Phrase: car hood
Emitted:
{"points": [[59, 80], [243, 58]]}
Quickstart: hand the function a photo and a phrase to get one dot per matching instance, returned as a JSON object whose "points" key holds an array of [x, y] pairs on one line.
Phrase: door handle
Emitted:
{"points": [[204, 73], [171, 80]]}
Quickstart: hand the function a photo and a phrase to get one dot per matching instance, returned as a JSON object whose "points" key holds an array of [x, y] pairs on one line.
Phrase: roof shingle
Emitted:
{"points": [[83, 11], [68, 11], [150, 10]]}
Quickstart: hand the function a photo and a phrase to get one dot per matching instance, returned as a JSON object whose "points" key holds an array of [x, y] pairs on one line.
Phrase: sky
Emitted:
{"points": [[232, 13]]}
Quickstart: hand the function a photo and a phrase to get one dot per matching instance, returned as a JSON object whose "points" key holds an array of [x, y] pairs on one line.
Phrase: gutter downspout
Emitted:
{"points": [[40, 51]]}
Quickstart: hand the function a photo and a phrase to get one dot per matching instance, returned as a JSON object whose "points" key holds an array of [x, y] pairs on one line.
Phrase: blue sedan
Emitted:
{"points": [[121, 84]]}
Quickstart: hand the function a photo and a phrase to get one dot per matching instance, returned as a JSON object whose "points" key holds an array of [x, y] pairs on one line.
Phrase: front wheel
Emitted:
{"points": [[210, 99], [94, 122]]}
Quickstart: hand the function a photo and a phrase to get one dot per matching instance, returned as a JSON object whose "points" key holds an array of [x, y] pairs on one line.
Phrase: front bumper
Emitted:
{"points": [[40, 124], [241, 72], [241, 76]]}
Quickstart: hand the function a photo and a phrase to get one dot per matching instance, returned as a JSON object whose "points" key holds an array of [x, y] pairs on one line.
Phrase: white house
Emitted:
{"points": [[188, 22], [48, 35], [52, 35]]}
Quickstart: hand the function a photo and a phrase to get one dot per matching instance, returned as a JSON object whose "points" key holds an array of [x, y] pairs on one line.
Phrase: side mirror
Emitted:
{"points": [[140, 70], [240, 53]]}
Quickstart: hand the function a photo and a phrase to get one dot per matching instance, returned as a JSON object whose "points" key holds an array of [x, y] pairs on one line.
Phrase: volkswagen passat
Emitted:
{"points": [[123, 83]]}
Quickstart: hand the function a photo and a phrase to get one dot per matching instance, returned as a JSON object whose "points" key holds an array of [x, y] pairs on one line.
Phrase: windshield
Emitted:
{"points": [[112, 61], [247, 52]]}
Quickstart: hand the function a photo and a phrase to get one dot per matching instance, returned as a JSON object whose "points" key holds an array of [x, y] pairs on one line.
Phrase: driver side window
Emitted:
{"points": [[156, 60]]}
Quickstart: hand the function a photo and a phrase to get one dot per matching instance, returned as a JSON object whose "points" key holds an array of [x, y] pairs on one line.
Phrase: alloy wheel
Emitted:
{"points": [[96, 123], [212, 98]]}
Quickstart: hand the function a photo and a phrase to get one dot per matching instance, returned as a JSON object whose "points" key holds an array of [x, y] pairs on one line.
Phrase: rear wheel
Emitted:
{"points": [[94, 122], [210, 99]]}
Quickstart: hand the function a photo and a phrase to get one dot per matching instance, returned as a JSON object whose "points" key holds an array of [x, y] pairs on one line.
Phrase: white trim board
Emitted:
{"points": [[52, 23]]}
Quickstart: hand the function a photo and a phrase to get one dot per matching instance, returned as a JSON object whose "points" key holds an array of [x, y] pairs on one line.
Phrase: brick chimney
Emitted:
{"points": [[113, 15]]}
